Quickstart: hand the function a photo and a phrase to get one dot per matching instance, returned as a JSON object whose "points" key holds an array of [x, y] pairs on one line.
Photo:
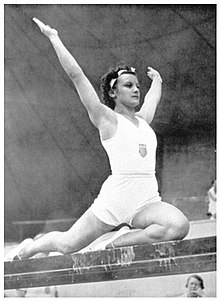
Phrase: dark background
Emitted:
{"points": [[54, 162]]}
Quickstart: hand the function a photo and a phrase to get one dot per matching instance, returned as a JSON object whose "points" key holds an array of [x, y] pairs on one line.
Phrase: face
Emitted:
{"points": [[127, 90], [193, 285]]}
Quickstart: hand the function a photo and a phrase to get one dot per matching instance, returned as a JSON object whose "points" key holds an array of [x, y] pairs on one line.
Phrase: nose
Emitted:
{"points": [[193, 286], [136, 89]]}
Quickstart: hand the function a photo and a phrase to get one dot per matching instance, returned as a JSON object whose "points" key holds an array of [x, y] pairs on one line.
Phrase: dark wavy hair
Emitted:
{"points": [[201, 283], [105, 84]]}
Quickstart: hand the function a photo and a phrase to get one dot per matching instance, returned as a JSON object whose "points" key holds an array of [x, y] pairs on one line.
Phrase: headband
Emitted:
{"points": [[120, 72]]}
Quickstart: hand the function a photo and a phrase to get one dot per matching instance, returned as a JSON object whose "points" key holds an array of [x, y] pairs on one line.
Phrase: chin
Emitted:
{"points": [[136, 102]]}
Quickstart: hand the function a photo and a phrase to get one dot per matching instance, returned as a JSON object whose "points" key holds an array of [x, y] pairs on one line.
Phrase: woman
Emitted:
{"points": [[195, 287], [130, 195]]}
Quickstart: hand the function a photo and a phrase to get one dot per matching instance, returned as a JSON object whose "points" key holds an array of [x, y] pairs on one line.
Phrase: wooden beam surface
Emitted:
{"points": [[168, 258]]}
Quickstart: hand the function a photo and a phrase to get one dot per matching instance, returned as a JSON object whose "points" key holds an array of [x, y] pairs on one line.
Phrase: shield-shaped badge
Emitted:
{"points": [[142, 150]]}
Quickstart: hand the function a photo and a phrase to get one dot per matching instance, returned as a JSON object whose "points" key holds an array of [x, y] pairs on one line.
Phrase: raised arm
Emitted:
{"points": [[98, 112], [152, 97]]}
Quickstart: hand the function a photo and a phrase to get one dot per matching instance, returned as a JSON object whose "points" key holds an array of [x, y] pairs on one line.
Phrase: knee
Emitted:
{"points": [[179, 229]]}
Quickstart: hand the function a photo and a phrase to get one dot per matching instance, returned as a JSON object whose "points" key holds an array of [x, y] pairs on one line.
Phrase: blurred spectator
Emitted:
{"points": [[212, 200], [194, 287]]}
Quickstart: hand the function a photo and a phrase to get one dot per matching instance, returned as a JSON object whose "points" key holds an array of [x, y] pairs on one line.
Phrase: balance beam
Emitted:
{"points": [[142, 261]]}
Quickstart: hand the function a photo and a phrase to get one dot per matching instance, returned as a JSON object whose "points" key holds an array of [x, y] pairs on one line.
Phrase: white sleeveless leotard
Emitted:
{"points": [[132, 183]]}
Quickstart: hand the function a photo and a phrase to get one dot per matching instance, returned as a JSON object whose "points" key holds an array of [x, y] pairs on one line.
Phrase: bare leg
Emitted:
{"points": [[86, 229], [156, 223]]}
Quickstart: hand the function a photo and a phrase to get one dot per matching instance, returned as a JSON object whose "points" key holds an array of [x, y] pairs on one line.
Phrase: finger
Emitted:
{"points": [[150, 68], [39, 23]]}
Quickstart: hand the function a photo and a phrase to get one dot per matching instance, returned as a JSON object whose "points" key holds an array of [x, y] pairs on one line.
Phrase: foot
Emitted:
{"points": [[15, 254]]}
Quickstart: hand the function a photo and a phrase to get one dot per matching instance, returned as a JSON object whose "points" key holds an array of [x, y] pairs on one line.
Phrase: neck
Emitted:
{"points": [[127, 112]]}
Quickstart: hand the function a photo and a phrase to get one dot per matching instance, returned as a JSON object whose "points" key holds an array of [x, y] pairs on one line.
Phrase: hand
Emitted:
{"points": [[46, 29], [152, 73], [198, 292]]}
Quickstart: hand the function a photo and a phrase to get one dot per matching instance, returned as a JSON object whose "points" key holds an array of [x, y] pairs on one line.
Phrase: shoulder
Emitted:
{"points": [[142, 117]]}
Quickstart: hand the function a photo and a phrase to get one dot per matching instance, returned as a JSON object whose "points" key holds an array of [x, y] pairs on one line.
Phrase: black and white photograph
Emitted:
{"points": [[110, 149]]}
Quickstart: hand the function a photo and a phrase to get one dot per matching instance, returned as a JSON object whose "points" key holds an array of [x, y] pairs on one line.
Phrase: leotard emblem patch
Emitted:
{"points": [[142, 150]]}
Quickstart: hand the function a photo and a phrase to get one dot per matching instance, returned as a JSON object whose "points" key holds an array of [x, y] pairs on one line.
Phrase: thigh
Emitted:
{"points": [[85, 230], [158, 213]]}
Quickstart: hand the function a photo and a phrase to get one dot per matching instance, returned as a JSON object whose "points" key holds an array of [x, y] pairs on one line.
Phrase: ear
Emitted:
{"points": [[112, 93]]}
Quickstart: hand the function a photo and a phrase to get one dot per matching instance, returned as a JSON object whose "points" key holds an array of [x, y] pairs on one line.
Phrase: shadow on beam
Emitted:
{"points": [[148, 260]]}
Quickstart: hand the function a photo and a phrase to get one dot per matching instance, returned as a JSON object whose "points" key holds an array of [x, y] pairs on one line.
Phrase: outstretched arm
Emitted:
{"points": [[96, 110], [152, 97]]}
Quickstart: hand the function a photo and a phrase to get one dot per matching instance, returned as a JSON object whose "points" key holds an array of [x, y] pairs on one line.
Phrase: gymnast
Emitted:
{"points": [[130, 194]]}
